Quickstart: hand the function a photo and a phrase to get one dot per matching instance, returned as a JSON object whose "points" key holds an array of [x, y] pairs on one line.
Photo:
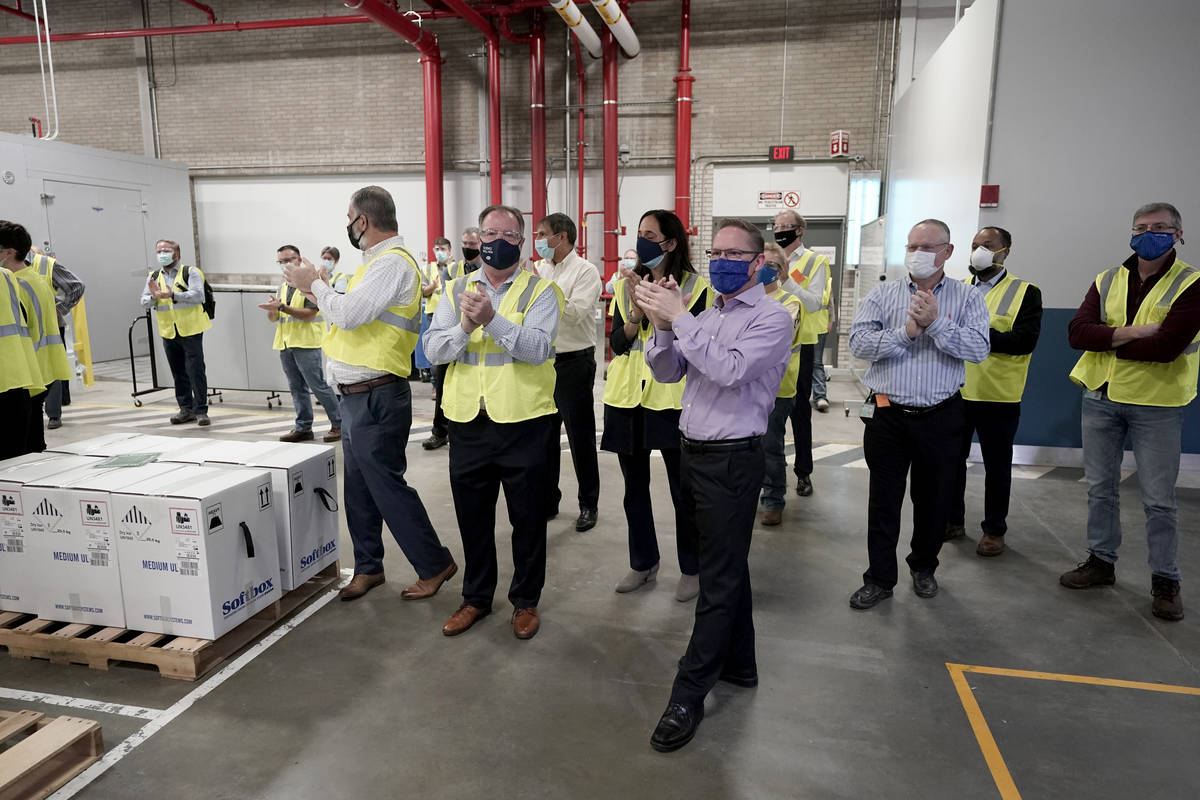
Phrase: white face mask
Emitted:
{"points": [[920, 264], [442, 256], [983, 259], [328, 263], [629, 263], [165, 259]]}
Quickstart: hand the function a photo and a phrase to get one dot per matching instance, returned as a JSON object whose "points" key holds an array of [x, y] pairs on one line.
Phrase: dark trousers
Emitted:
{"points": [[375, 426], [574, 394], [15, 408], [720, 491], [58, 395], [185, 355], [35, 436], [896, 443], [996, 425], [801, 413], [439, 419], [639, 514], [485, 455]]}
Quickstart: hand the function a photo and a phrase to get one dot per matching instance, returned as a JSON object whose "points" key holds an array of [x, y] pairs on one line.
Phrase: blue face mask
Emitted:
{"points": [[728, 276], [1150, 245], [767, 274], [500, 254], [543, 248], [649, 253]]}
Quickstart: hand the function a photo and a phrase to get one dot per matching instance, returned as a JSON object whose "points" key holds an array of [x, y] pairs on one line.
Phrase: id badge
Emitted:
{"points": [[867, 410], [1093, 394]]}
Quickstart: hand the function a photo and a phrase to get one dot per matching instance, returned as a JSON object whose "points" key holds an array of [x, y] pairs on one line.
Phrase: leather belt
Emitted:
{"points": [[366, 386], [720, 445], [917, 411]]}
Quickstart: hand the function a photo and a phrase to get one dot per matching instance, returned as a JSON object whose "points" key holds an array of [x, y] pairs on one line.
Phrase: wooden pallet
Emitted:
{"points": [[180, 657], [53, 751]]}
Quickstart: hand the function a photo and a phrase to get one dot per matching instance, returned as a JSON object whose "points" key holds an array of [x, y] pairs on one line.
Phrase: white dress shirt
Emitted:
{"points": [[580, 283]]}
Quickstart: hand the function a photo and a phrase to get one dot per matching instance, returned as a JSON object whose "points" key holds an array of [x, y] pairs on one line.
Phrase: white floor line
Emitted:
{"points": [[79, 703], [859, 464], [833, 449], [238, 426], [70, 414], [187, 701]]}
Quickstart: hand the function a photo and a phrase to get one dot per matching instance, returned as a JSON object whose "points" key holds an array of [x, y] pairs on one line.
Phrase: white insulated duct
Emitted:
{"points": [[618, 23], [587, 37]]}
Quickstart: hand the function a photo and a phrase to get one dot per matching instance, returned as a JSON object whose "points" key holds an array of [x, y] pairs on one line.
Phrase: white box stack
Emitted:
{"points": [[118, 444], [197, 549]]}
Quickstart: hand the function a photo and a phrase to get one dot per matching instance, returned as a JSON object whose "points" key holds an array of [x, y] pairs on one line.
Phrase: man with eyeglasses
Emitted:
{"points": [[733, 356], [1139, 326], [374, 328], [574, 363], [496, 327], [917, 334], [808, 278]]}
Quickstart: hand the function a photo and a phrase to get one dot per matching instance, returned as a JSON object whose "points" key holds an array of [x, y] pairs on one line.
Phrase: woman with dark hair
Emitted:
{"points": [[641, 414]]}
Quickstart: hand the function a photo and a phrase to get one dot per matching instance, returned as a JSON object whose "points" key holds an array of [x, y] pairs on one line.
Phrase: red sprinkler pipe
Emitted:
{"points": [[495, 155], [17, 12], [212, 18], [612, 197], [683, 122]]}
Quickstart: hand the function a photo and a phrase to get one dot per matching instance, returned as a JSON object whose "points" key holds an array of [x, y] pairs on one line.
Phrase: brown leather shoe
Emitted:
{"points": [[359, 585], [428, 587], [990, 546], [297, 436], [460, 621], [772, 516], [334, 435], [525, 622]]}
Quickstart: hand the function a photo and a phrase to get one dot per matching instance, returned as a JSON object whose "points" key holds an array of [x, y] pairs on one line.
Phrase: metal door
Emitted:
{"points": [[98, 233]]}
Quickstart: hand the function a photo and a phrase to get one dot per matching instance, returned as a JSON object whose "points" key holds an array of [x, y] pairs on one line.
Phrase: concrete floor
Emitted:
{"points": [[368, 699]]}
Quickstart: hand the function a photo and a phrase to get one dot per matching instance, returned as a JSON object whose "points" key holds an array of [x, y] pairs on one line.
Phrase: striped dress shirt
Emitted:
{"points": [[929, 369]]}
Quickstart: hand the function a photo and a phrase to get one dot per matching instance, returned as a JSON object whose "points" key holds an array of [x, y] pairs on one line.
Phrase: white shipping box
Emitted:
{"points": [[118, 444], [19, 578], [73, 541], [197, 550], [304, 480]]}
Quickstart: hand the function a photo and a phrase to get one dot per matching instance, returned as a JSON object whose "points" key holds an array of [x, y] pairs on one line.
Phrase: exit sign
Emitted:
{"points": [[782, 152]]}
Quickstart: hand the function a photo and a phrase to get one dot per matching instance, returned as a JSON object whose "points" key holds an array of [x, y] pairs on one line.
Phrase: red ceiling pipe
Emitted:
{"points": [[683, 122], [536, 39], [612, 196], [581, 142], [212, 18], [431, 71], [17, 12], [495, 156]]}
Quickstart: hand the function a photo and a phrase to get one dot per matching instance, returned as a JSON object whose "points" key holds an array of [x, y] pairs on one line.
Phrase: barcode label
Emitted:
{"points": [[189, 567], [98, 558], [14, 547]]}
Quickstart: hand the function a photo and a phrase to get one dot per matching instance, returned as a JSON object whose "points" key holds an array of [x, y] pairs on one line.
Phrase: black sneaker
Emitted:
{"points": [[1167, 603], [1093, 572], [54, 424], [203, 421], [182, 417], [435, 441], [954, 531], [869, 596]]}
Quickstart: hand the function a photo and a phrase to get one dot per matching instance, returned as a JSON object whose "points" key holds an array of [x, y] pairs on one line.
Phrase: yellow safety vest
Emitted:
{"points": [[630, 382], [43, 266], [42, 318], [337, 281], [511, 390], [813, 323], [188, 320], [19, 367], [292, 332], [447, 275], [387, 342], [1142, 383], [787, 387], [1000, 378]]}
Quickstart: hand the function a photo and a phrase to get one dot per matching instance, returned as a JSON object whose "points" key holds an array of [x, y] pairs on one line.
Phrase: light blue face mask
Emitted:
{"points": [[543, 248], [165, 259]]}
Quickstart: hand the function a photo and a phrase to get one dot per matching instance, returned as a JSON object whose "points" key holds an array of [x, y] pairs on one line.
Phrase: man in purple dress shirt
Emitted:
{"points": [[733, 355]]}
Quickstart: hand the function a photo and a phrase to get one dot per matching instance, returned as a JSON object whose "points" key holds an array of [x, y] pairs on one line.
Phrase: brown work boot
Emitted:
{"points": [[954, 530], [525, 622], [334, 435], [462, 620], [428, 587], [297, 436], [359, 585], [771, 516], [1093, 572], [1167, 603], [990, 546]]}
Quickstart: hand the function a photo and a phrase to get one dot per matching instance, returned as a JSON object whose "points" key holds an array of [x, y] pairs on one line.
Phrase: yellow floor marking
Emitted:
{"points": [[983, 734], [212, 412]]}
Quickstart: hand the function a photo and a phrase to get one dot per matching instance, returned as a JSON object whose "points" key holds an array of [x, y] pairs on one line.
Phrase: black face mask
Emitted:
{"points": [[470, 253], [785, 238], [354, 240]]}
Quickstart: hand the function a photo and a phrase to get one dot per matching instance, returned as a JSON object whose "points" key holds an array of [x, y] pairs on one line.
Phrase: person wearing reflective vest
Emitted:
{"points": [[368, 356], [447, 274], [774, 488], [808, 278], [299, 332], [20, 372], [176, 302], [38, 303], [430, 281], [1139, 326], [330, 272], [68, 291], [641, 413], [495, 328], [993, 388]]}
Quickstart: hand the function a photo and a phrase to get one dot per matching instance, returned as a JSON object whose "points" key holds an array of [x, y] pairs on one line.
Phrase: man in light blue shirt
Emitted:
{"points": [[917, 333]]}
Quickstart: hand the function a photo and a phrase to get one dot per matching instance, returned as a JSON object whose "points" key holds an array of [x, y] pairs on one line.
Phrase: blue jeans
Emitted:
{"points": [[818, 387], [1155, 435], [775, 478], [302, 365]]}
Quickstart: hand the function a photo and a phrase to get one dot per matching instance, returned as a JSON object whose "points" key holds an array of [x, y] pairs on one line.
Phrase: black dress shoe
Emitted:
{"points": [[435, 441], [804, 486], [587, 520], [869, 596], [924, 584], [747, 679], [676, 727]]}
